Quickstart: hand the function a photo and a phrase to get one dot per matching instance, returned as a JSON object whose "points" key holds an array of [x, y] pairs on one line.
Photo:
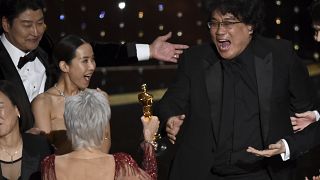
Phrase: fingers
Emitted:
{"points": [[178, 52], [294, 122], [274, 146], [254, 151], [251, 149], [171, 133], [173, 127], [180, 46], [173, 59], [304, 114], [175, 121], [165, 37], [172, 138]]}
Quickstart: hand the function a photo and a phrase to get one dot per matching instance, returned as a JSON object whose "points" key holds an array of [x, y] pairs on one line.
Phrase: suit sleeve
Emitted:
{"points": [[300, 86], [301, 142], [176, 99], [113, 54]]}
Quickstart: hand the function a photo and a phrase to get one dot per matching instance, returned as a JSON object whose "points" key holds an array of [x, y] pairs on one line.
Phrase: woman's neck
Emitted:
{"points": [[65, 88], [87, 153], [11, 141]]}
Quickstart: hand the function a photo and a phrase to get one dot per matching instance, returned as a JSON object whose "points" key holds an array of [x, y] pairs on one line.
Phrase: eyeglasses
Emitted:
{"points": [[225, 24]]}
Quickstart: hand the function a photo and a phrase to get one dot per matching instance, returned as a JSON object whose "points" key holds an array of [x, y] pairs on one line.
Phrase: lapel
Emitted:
{"points": [[9, 71], [43, 57], [213, 80], [264, 72]]}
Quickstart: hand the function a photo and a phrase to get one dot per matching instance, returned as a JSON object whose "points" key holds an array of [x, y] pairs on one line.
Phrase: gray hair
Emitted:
{"points": [[86, 117]]}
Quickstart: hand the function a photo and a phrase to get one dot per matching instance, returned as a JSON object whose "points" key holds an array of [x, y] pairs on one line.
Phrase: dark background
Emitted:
{"points": [[102, 20]]}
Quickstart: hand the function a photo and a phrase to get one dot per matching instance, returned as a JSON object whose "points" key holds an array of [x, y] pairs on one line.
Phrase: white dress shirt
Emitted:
{"points": [[32, 74], [143, 52]]}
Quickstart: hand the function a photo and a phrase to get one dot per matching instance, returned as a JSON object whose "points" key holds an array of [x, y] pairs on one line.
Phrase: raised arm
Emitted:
{"points": [[127, 168], [114, 54]]}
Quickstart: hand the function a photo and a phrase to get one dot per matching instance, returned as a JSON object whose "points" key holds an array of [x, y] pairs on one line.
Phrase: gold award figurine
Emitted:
{"points": [[146, 100]]}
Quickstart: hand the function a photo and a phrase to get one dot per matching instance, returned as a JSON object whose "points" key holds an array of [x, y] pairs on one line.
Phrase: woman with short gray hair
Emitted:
{"points": [[87, 116]]}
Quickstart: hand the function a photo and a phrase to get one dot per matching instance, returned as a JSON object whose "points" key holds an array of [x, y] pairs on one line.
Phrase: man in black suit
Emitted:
{"points": [[23, 27], [302, 120], [294, 146], [238, 91]]}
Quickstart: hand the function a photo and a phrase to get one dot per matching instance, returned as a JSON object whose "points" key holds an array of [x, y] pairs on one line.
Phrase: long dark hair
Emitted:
{"points": [[15, 96]]}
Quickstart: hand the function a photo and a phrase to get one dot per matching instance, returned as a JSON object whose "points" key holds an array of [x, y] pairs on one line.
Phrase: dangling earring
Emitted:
{"points": [[19, 116]]}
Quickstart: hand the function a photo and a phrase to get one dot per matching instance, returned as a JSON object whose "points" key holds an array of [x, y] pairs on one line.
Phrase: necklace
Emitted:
{"points": [[12, 155], [61, 93]]}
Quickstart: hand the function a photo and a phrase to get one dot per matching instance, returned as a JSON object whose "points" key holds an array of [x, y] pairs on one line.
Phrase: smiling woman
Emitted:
{"points": [[20, 153], [75, 60]]}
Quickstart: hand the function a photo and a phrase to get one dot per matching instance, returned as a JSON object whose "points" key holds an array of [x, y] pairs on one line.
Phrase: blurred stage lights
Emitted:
{"points": [[122, 5], [160, 7], [62, 17], [102, 14]]}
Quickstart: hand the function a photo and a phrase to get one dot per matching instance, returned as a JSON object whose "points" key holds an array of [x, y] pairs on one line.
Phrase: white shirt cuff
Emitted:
{"points": [[317, 115], [286, 155], [143, 52]]}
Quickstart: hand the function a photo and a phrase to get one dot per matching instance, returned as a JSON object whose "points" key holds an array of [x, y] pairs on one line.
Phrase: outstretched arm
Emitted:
{"points": [[273, 149], [115, 54], [164, 51]]}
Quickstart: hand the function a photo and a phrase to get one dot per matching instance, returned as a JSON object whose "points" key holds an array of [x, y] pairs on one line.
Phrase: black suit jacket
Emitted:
{"points": [[9, 72], [301, 142], [113, 54], [35, 148], [197, 90]]}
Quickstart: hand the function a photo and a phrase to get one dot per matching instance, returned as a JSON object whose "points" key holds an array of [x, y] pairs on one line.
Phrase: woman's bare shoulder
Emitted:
{"points": [[46, 97]]}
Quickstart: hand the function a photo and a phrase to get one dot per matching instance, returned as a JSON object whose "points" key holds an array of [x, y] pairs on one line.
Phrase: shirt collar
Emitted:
{"points": [[13, 51], [246, 57]]}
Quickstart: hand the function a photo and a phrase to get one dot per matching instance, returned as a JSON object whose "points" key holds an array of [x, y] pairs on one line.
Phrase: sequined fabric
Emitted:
{"points": [[48, 168], [126, 167]]}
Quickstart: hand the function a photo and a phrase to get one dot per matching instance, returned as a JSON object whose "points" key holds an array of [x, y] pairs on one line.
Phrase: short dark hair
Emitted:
{"points": [[250, 12], [315, 11], [12, 8], [15, 95]]}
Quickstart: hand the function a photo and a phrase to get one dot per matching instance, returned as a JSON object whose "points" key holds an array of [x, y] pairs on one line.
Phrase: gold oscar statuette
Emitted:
{"points": [[146, 100]]}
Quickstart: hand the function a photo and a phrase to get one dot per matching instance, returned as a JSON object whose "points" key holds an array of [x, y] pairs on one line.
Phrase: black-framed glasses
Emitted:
{"points": [[225, 24]]}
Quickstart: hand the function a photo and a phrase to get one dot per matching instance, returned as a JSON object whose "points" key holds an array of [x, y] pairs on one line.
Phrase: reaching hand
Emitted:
{"points": [[150, 127], [35, 131], [274, 149], [173, 126], [162, 50], [302, 120]]}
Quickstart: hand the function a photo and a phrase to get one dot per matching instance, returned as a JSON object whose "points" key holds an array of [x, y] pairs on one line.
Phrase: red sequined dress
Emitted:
{"points": [[125, 166]]}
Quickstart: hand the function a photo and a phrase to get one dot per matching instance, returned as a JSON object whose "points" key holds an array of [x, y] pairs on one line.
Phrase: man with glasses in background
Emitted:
{"points": [[240, 90]]}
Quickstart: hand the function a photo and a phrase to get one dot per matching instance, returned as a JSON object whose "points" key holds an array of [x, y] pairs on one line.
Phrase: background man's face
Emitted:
{"points": [[316, 28], [26, 30], [230, 39]]}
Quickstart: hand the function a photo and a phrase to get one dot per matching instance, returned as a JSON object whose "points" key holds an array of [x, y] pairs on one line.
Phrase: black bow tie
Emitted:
{"points": [[27, 58]]}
